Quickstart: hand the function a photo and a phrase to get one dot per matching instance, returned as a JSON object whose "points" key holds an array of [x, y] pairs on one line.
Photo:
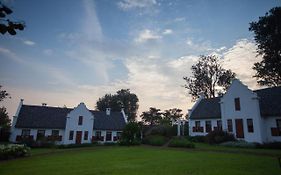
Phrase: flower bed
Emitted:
{"points": [[11, 151]]}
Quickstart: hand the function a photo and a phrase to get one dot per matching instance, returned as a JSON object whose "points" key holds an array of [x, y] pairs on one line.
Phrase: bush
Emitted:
{"points": [[271, 145], [181, 142], [239, 144], [216, 137], [163, 130], [130, 134], [13, 151], [197, 138], [155, 140]]}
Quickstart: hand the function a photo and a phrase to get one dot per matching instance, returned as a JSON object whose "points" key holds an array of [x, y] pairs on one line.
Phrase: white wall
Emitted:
{"points": [[249, 110], [202, 124], [270, 122], [72, 124]]}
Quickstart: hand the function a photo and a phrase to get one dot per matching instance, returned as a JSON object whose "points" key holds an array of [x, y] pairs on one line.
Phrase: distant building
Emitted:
{"points": [[66, 125], [253, 116]]}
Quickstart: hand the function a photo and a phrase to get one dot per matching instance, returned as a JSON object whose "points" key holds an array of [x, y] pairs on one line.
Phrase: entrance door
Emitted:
{"points": [[239, 128], [78, 137]]}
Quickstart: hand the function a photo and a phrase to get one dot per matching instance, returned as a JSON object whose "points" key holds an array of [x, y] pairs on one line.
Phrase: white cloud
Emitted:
{"points": [[28, 42], [146, 35], [135, 4], [199, 46], [167, 31]]}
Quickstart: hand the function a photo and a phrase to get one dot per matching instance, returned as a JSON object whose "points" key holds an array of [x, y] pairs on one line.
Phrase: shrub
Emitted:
{"points": [[163, 130], [216, 137], [155, 140], [181, 142], [130, 134], [197, 138], [13, 151], [239, 144], [271, 145]]}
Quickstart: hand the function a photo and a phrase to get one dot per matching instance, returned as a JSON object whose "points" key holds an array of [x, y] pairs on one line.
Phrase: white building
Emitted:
{"points": [[253, 116], [66, 125]]}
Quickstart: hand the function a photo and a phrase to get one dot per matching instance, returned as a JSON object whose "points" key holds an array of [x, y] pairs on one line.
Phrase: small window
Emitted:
{"points": [[71, 134], [86, 133], [98, 134], [25, 132], [229, 125], [219, 125], [80, 120], [55, 132], [250, 125], [108, 136], [208, 126], [40, 134], [237, 104]]}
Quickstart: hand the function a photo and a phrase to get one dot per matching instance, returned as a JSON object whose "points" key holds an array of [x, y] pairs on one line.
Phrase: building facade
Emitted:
{"points": [[66, 125], [253, 116]]}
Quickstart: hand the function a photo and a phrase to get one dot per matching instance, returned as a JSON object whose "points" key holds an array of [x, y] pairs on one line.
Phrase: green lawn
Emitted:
{"points": [[140, 160]]}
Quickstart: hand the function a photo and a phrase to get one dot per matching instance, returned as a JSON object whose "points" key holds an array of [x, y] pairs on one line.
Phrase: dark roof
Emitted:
{"points": [[115, 121], [55, 118], [207, 109], [270, 101], [42, 117]]}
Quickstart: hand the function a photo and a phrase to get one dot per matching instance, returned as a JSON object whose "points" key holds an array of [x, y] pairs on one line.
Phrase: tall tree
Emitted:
{"points": [[267, 36], [171, 115], [152, 117], [6, 25], [122, 99], [5, 122], [208, 77]]}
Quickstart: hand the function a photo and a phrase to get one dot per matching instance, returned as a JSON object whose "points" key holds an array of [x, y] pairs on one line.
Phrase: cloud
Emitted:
{"points": [[147, 35], [135, 4], [48, 52], [28, 42], [167, 31]]}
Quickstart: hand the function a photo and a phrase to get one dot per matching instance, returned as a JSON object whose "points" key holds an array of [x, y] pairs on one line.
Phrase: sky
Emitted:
{"points": [[77, 51]]}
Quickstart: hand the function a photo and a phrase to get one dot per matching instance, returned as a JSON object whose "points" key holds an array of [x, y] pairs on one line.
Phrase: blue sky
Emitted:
{"points": [[73, 51]]}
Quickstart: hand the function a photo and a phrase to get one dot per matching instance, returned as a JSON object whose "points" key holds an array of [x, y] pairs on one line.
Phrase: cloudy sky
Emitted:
{"points": [[73, 51]]}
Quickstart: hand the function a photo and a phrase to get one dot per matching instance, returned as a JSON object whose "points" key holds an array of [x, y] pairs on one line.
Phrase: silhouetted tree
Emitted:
{"points": [[171, 115], [267, 36], [6, 25], [5, 122], [208, 78], [122, 99], [151, 117]]}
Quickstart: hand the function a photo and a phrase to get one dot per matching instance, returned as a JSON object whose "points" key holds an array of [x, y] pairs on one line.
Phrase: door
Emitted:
{"points": [[239, 128], [78, 137]]}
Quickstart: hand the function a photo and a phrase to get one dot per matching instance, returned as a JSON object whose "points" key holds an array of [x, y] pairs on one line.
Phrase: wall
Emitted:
{"points": [[72, 124], [249, 110], [202, 124], [103, 134], [270, 122]]}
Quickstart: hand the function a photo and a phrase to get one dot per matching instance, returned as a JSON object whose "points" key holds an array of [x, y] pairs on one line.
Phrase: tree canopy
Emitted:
{"points": [[122, 99], [6, 25], [171, 115], [267, 34], [151, 117], [208, 77], [5, 122]]}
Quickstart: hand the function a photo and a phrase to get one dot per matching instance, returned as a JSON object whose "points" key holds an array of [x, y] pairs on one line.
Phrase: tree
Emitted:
{"points": [[208, 78], [7, 25], [5, 122], [151, 117], [171, 115], [122, 99], [267, 36]]}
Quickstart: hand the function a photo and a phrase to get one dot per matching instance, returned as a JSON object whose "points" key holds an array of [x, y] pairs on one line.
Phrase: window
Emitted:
{"points": [[197, 124], [80, 120], [119, 134], [237, 104], [229, 125], [250, 125], [278, 124], [55, 132], [108, 136], [25, 132], [219, 125], [208, 126], [40, 134], [98, 134], [86, 133], [71, 134]]}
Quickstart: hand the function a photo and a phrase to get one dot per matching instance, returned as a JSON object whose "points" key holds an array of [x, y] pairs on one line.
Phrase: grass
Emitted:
{"points": [[139, 160]]}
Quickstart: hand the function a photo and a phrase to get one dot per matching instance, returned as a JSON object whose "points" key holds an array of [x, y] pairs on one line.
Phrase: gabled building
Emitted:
{"points": [[66, 125], [253, 116]]}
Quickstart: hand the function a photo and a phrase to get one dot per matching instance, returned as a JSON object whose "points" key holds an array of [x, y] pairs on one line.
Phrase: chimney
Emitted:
{"points": [[44, 104], [108, 111]]}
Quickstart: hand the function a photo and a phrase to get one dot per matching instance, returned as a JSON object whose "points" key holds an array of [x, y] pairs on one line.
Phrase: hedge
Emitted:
{"points": [[11, 151]]}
